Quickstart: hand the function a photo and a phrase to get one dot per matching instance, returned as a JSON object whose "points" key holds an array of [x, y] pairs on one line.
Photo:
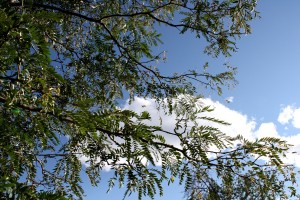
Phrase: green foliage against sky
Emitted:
{"points": [[65, 65]]}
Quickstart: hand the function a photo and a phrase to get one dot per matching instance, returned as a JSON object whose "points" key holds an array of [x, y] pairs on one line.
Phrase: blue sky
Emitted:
{"points": [[266, 101]]}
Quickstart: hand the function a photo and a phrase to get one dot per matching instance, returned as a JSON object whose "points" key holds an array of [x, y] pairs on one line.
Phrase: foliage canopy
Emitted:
{"points": [[65, 65]]}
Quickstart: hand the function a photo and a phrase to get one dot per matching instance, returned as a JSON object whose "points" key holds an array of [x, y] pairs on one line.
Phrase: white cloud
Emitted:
{"points": [[290, 114], [296, 118], [158, 117], [266, 130], [286, 115], [241, 124], [293, 158]]}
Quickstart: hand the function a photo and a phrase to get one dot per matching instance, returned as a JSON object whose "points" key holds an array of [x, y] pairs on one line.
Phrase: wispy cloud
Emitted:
{"points": [[229, 99]]}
